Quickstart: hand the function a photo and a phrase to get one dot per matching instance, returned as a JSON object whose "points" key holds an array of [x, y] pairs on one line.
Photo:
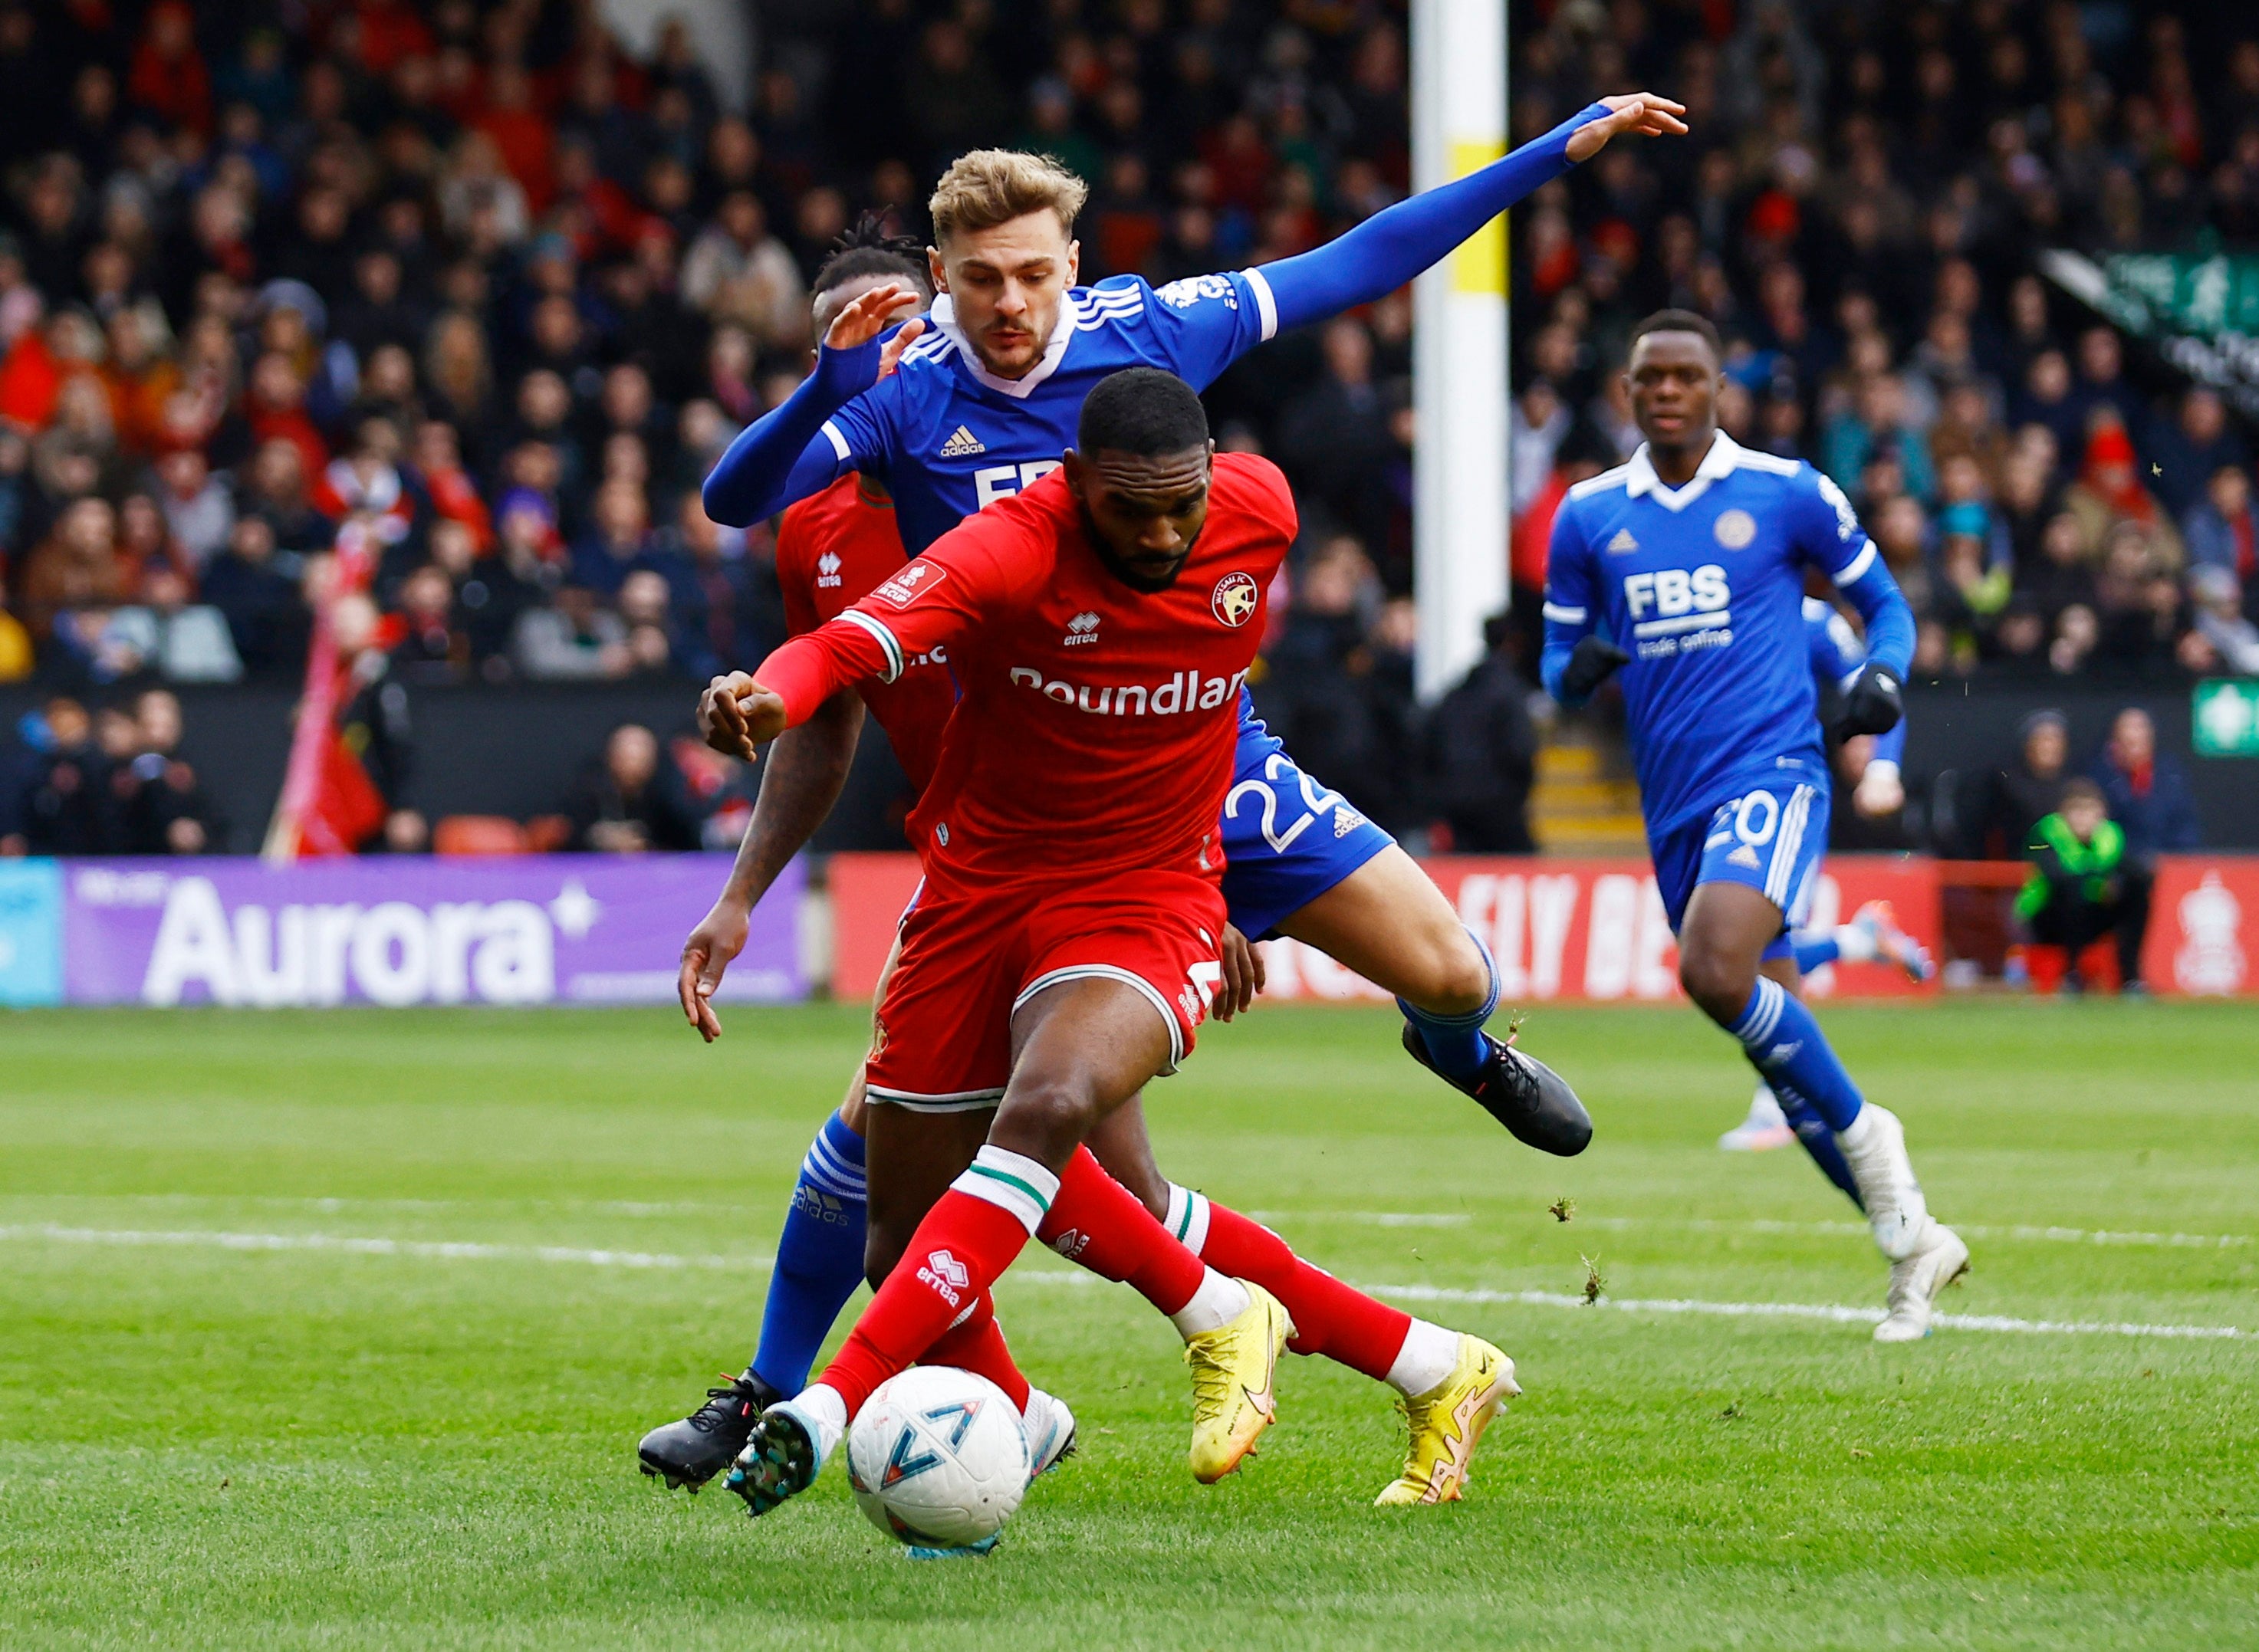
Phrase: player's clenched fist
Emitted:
{"points": [[1591, 663], [1873, 704], [737, 717]]}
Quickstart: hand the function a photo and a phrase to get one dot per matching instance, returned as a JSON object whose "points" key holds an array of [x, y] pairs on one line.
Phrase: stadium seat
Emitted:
{"points": [[2097, 966], [544, 834], [468, 835]]}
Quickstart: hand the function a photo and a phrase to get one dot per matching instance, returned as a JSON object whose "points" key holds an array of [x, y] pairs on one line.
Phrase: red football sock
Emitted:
{"points": [[1097, 1221], [1330, 1318], [958, 1252], [978, 1346]]}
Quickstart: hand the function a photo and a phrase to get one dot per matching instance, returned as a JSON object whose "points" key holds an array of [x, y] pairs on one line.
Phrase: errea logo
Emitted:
{"points": [[947, 1275], [827, 570], [1083, 628]]}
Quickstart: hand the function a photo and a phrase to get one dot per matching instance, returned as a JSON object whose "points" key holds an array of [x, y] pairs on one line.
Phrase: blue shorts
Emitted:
{"points": [[1771, 837], [1286, 840]]}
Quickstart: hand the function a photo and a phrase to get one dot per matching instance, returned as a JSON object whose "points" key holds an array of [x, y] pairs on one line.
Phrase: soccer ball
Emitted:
{"points": [[939, 1458]]}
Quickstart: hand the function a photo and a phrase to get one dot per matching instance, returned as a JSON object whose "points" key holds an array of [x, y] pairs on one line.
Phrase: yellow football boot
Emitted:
{"points": [[1448, 1422], [1234, 1368]]}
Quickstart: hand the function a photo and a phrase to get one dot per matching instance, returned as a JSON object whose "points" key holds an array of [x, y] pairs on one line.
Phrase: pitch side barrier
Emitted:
{"points": [[384, 931], [1592, 932]]}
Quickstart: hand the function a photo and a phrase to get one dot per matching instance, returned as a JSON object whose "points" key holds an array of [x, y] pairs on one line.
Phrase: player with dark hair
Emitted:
{"points": [[1683, 569], [833, 551], [1065, 946]]}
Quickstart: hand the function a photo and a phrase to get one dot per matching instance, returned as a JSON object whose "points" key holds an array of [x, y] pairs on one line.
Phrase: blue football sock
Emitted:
{"points": [[1813, 948], [1457, 1044], [1817, 1140], [1785, 1044], [819, 1259]]}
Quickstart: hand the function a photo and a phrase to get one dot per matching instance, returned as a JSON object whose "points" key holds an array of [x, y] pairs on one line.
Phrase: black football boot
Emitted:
{"points": [[1521, 1092], [693, 1451]]}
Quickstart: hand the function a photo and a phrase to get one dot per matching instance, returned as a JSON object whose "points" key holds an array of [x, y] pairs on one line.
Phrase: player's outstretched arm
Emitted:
{"points": [[784, 455], [1392, 247], [807, 770]]}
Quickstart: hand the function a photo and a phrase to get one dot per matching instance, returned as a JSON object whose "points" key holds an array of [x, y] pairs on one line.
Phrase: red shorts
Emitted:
{"points": [[944, 1039]]}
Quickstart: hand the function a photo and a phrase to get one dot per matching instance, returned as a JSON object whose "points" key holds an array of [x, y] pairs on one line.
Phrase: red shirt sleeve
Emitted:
{"points": [[792, 566], [984, 563]]}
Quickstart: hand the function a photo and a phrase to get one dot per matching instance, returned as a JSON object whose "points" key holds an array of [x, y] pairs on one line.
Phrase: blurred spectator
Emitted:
{"points": [[164, 632], [15, 657], [574, 640], [2191, 449], [2220, 528], [2148, 791], [254, 586], [2232, 641], [1482, 752], [2029, 787], [2109, 492], [162, 810], [2080, 888], [632, 800]]}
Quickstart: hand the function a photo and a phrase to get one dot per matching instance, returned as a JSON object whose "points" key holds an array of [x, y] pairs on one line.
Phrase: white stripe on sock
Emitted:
{"points": [[1188, 1219], [1011, 1182]]}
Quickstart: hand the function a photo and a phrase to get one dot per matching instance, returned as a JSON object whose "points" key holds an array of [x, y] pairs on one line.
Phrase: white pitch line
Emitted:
{"points": [[2025, 1231], [1367, 1218], [443, 1249], [468, 1250]]}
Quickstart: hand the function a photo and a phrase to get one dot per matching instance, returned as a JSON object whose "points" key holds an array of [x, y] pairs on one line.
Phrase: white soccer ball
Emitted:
{"points": [[939, 1458]]}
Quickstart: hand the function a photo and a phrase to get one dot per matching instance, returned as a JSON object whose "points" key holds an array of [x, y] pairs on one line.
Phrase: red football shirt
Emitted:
{"points": [[833, 549], [1097, 726]]}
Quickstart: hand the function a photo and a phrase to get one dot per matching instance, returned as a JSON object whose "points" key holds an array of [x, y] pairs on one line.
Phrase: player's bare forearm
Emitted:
{"points": [[807, 770]]}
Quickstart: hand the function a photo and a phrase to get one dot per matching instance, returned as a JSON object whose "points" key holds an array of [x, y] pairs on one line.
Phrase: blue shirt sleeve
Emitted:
{"points": [[1392, 245], [1571, 607], [795, 448], [1827, 533], [1202, 324]]}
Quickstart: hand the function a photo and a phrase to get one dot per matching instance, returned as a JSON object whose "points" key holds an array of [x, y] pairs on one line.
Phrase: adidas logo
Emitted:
{"points": [[1083, 628], [962, 444], [1623, 543], [827, 569], [1744, 856]]}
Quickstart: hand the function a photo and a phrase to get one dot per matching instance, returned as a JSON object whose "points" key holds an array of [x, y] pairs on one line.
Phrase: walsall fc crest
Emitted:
{"points": [[1235, 599]]}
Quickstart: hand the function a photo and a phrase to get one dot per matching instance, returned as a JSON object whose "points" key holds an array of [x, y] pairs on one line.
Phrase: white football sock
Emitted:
{"points": [[1765, 1109], [1187, 1218], [1429, 1353], [826, 1404], [1218, 1301], [1855, 943]]}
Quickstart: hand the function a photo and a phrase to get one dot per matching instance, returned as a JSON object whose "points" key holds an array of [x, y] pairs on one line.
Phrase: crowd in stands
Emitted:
{"points": [[469, 271]]}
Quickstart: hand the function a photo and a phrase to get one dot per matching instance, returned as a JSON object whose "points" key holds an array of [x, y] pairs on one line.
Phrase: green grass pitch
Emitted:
{"points": [[426, 1439]]}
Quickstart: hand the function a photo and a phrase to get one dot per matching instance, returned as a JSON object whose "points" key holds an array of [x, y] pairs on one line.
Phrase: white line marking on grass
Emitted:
{"points": [[347, 1244], [1368, 1217], [2031, 1232], [2052, 1235], [474, 1250]]}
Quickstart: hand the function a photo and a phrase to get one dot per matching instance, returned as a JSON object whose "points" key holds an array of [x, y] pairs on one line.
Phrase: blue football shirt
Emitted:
{"points": [[1704, 587]]}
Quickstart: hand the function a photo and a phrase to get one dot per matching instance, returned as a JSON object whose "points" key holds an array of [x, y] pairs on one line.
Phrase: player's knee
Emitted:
{"points": [[1715, 980], [1053, 1113], [1451, 974]]}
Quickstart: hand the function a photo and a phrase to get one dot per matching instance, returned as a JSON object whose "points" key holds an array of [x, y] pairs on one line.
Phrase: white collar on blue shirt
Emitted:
{"points": [[944, 317], [1723, 458]]}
